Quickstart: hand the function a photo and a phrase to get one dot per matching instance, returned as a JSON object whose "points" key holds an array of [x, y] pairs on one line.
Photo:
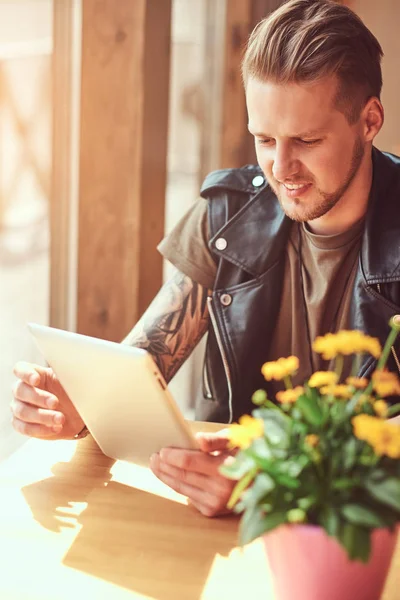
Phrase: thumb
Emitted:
{"points": [[211, 442]]}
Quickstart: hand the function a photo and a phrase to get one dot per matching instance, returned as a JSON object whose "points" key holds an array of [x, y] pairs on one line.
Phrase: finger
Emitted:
{"points": [[209, 504], [191, 460], [212, 442], [33, 429], [35, 396], [217, 485], [209, 512], [30, 373], [32, 414]]}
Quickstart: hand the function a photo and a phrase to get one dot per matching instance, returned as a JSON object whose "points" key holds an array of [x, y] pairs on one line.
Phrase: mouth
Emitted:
{"points": [[294, 190]]}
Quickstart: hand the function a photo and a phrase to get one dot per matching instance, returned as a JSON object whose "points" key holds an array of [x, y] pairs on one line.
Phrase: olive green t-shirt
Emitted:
{"points": [[186, 246], [317, 284]]}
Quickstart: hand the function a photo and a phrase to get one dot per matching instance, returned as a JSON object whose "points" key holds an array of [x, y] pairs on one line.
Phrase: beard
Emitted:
{"points": [[325, 201]]}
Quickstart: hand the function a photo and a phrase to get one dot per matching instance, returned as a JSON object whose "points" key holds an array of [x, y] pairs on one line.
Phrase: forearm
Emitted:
{"points": [[173, 324]]}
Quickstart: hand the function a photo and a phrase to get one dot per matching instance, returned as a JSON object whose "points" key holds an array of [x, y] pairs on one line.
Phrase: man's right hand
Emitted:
{"points": [[41, 408]]}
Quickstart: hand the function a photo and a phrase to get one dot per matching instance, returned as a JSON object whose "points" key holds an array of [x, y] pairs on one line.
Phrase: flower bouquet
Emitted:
{"points": [[323, 455]]}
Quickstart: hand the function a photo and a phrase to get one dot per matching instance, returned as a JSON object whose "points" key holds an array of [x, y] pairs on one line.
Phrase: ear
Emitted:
{"points": [[372, 119]]}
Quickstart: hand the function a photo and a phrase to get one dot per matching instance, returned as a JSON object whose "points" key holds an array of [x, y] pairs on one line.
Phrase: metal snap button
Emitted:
{"points": [[221, 243], [258, 180], [226, 299]]}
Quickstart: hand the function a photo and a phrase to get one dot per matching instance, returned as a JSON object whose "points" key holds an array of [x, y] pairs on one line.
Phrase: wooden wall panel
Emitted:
{"points": [[124, 116]]}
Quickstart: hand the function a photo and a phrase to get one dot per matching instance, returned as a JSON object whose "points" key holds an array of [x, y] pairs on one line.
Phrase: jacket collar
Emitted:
{"points": [[256, 235], [261, 219], [380, 249]]}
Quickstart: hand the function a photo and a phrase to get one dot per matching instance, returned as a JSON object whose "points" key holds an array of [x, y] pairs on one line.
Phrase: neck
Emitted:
{"points": [[351, 207]]}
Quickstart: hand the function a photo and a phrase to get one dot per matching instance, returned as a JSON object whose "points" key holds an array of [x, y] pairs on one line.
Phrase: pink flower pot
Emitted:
{"points": [[307, 564]]}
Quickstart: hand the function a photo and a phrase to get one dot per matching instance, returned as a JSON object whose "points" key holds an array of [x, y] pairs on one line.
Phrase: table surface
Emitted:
{"points": [[76, 523]]}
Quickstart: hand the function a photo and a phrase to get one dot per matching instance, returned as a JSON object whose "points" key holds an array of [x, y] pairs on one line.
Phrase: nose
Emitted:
{"points": [[285, 165]]}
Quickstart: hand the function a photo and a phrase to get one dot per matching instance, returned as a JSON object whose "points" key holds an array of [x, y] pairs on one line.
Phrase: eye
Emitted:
{"points": [[265, 141], [310, 142]]}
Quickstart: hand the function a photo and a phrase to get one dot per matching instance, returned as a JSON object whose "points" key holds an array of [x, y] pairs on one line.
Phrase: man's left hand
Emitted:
{"points": [[195, 473]]}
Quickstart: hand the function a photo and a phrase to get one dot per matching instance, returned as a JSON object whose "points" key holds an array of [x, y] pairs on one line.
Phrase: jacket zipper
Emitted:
{"points": [[396, 358], [223, 356], [207, 387]]}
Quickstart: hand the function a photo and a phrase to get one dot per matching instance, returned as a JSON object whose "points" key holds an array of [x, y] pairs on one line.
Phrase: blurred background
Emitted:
{"points": [[111, 114]]}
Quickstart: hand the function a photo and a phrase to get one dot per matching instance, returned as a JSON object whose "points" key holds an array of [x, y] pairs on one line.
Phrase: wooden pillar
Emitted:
{"points": [[123, 150], [237, 146], [234, 133]]}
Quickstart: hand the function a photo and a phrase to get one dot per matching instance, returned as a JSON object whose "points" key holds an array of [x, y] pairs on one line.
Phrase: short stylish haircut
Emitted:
{"points": [[306, 40]]}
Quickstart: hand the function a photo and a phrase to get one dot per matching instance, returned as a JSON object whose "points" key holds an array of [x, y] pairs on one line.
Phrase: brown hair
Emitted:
{"points": [[307, 40]]}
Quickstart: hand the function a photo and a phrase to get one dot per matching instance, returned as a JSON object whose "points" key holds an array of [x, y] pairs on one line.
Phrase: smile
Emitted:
{"points": [[294, 190], [293, 186]]}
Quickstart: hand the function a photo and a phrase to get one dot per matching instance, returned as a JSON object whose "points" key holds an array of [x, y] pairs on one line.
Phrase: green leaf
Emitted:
{"points": [[361, 515], [349, 450], [263, 485], [352, 403], [238, 467], [310, 408], [325, 409], [259, 449], [294, 466], [393, 410], [287, 481], [345, 483], [254, 523], [330, 520], [276, 425], [386, 490], [338, 412], [241, 485], [299, 428], [356, 541], [307, 502]]}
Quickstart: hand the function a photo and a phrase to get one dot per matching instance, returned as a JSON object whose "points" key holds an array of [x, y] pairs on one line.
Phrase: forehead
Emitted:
{"points": [[286, 109]]}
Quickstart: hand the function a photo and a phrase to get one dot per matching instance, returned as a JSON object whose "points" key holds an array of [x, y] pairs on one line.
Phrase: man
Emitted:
{"points": [[272, 255]]}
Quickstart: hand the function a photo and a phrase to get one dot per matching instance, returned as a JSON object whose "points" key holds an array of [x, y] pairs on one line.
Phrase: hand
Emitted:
{"points": [[41, 407], [195, 474]]}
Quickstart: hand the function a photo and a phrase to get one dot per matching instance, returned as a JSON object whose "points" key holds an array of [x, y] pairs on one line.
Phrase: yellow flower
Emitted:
{"points": [[381, 408], [365, 425], [385, 383], [290, 395], [320, 378], [360, 383], [383, 436], [387, 441], [280, 368], [312, 440], [243, 433], [346, 342], [340, 391]]}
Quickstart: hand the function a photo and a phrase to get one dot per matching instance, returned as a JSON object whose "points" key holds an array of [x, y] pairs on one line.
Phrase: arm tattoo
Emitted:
{"points": [[173, 324]]}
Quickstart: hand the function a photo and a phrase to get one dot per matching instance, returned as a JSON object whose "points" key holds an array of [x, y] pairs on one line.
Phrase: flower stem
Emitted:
{"points": [[288, 382], [388, 344], [339, 366], [355, 368]]}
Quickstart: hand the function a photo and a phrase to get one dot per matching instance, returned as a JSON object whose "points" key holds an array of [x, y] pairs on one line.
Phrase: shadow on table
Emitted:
{"points": [[120, 542]]}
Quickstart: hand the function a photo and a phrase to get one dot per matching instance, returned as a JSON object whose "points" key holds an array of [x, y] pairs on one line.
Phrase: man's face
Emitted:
{"points": [[309, 152]]}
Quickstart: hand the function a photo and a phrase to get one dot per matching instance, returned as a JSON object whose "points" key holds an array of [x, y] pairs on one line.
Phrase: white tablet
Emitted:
{"points": [[119, 393]]}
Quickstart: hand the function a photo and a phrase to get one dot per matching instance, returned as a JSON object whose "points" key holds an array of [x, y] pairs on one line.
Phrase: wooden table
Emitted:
{"points": [[76, 524]]}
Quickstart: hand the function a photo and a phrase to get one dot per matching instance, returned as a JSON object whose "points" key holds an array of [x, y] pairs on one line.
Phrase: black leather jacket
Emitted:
{"points": [[248, 235]]}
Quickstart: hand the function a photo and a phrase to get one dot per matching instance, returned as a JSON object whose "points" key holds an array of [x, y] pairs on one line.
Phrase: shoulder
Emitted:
{"points": [[246, 180], [386, 168]]}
